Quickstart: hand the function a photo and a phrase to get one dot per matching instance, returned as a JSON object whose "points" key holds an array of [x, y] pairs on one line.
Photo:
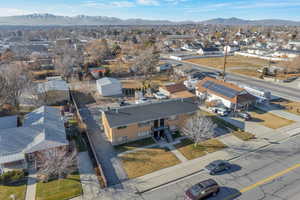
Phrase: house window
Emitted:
{"points": [[122, 127], [143, 134], [123, 139], [143, 124]]}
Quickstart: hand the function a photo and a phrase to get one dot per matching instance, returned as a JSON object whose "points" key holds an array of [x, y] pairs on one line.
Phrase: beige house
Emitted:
{"points": [[157, 119]]}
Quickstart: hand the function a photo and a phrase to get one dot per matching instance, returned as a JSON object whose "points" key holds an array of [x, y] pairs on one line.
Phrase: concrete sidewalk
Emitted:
{"points": [[31, 185], [89, 181]]}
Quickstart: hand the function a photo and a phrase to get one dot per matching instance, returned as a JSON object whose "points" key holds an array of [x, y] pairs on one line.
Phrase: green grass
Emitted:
{"points": [[190, 151], [243, 135], [19, 191], [63, 189], [133, 145]]}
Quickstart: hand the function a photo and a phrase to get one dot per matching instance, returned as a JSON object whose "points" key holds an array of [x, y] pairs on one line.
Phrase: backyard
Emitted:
{"points": [[268, 119], [146, 161], [66, 188], [190, 151]]}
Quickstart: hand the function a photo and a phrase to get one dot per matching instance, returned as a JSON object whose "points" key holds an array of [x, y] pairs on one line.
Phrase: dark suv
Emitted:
{"points": [[244, 115], [202, 190], [217, 166]]}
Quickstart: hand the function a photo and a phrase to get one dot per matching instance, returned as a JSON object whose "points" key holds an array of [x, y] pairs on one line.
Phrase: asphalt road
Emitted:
{"points": [[276, 89], [272, 173]]}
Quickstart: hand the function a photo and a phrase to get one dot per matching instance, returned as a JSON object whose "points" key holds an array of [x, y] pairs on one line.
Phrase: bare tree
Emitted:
{"points": [[66, 59], [98, 51], [146, 62], [199, 128], [15, 79], [57, 163]]}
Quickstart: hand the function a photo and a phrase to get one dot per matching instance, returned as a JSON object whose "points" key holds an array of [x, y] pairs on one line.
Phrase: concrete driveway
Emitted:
{"points": [[106, 154]]}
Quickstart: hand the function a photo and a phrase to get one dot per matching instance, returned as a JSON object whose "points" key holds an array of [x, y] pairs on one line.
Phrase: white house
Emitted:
{"points": [[109, 87]]}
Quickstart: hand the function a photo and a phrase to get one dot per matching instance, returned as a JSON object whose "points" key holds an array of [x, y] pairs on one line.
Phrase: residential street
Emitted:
{"points": [[275, 88], [264, 174]]}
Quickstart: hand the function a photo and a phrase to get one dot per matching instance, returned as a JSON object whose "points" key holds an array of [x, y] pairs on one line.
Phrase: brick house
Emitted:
{"points": [[135, 122]]}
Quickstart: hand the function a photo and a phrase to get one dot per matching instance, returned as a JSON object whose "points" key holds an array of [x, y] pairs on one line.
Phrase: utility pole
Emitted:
{"points": [[225, 61]]}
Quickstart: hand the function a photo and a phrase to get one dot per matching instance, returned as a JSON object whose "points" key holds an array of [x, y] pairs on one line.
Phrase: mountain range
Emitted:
{"points": [[83, 20]]}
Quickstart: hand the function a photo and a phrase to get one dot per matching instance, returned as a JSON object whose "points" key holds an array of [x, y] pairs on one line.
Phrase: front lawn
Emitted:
{"points": [[19, 191], [243, 135], [59, 189], [268, 119], [190, 151], [133, 145], [146, 161]]}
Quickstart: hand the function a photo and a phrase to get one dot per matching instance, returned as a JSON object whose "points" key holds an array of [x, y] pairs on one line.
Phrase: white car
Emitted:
{"points": [[160, 95], [142, 100]]}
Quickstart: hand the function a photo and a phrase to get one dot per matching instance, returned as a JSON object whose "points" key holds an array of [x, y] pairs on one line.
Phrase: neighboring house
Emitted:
{"points": [[209, 51], [43, 129], [157, 119], [231, 48], [193, 47], [226, 94], [54, 91], [109, 87], [97, 72], [176, 91]]}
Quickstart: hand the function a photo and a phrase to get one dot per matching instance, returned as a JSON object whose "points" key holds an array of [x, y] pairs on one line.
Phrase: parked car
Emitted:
{"points": [[222, 112], [290, 79], [160, 95], [142, 100], [202, 190], [244, 115], [217, 166]]}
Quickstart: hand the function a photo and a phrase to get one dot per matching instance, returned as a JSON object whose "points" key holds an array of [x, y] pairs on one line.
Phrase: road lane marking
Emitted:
{"points": [[270, 178]]}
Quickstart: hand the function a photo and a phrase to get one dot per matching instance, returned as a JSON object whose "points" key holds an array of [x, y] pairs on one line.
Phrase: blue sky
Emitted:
{"points": [[176, 10]]}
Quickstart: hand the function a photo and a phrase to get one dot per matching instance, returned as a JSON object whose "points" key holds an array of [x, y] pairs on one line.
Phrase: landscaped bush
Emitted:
{"points": [[12, 177]]}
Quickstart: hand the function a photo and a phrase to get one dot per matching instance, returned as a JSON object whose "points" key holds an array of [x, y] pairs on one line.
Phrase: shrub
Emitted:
{"points": [[12, 176]]}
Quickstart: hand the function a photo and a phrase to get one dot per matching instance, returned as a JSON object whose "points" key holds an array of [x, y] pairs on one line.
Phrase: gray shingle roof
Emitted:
{"points": [[8, 122], [149, 111], [42, 129]]}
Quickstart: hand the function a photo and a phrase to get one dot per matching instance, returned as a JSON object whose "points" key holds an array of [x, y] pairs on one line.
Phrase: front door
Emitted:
{"points": [[162, 122], [156, 124]]}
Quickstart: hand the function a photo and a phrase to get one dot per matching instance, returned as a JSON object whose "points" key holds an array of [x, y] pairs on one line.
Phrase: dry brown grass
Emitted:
{"points": [[247, 72], [289, 106], [232, 61], [243, 135], [146, 161], [269, 120], [190, 151]]}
